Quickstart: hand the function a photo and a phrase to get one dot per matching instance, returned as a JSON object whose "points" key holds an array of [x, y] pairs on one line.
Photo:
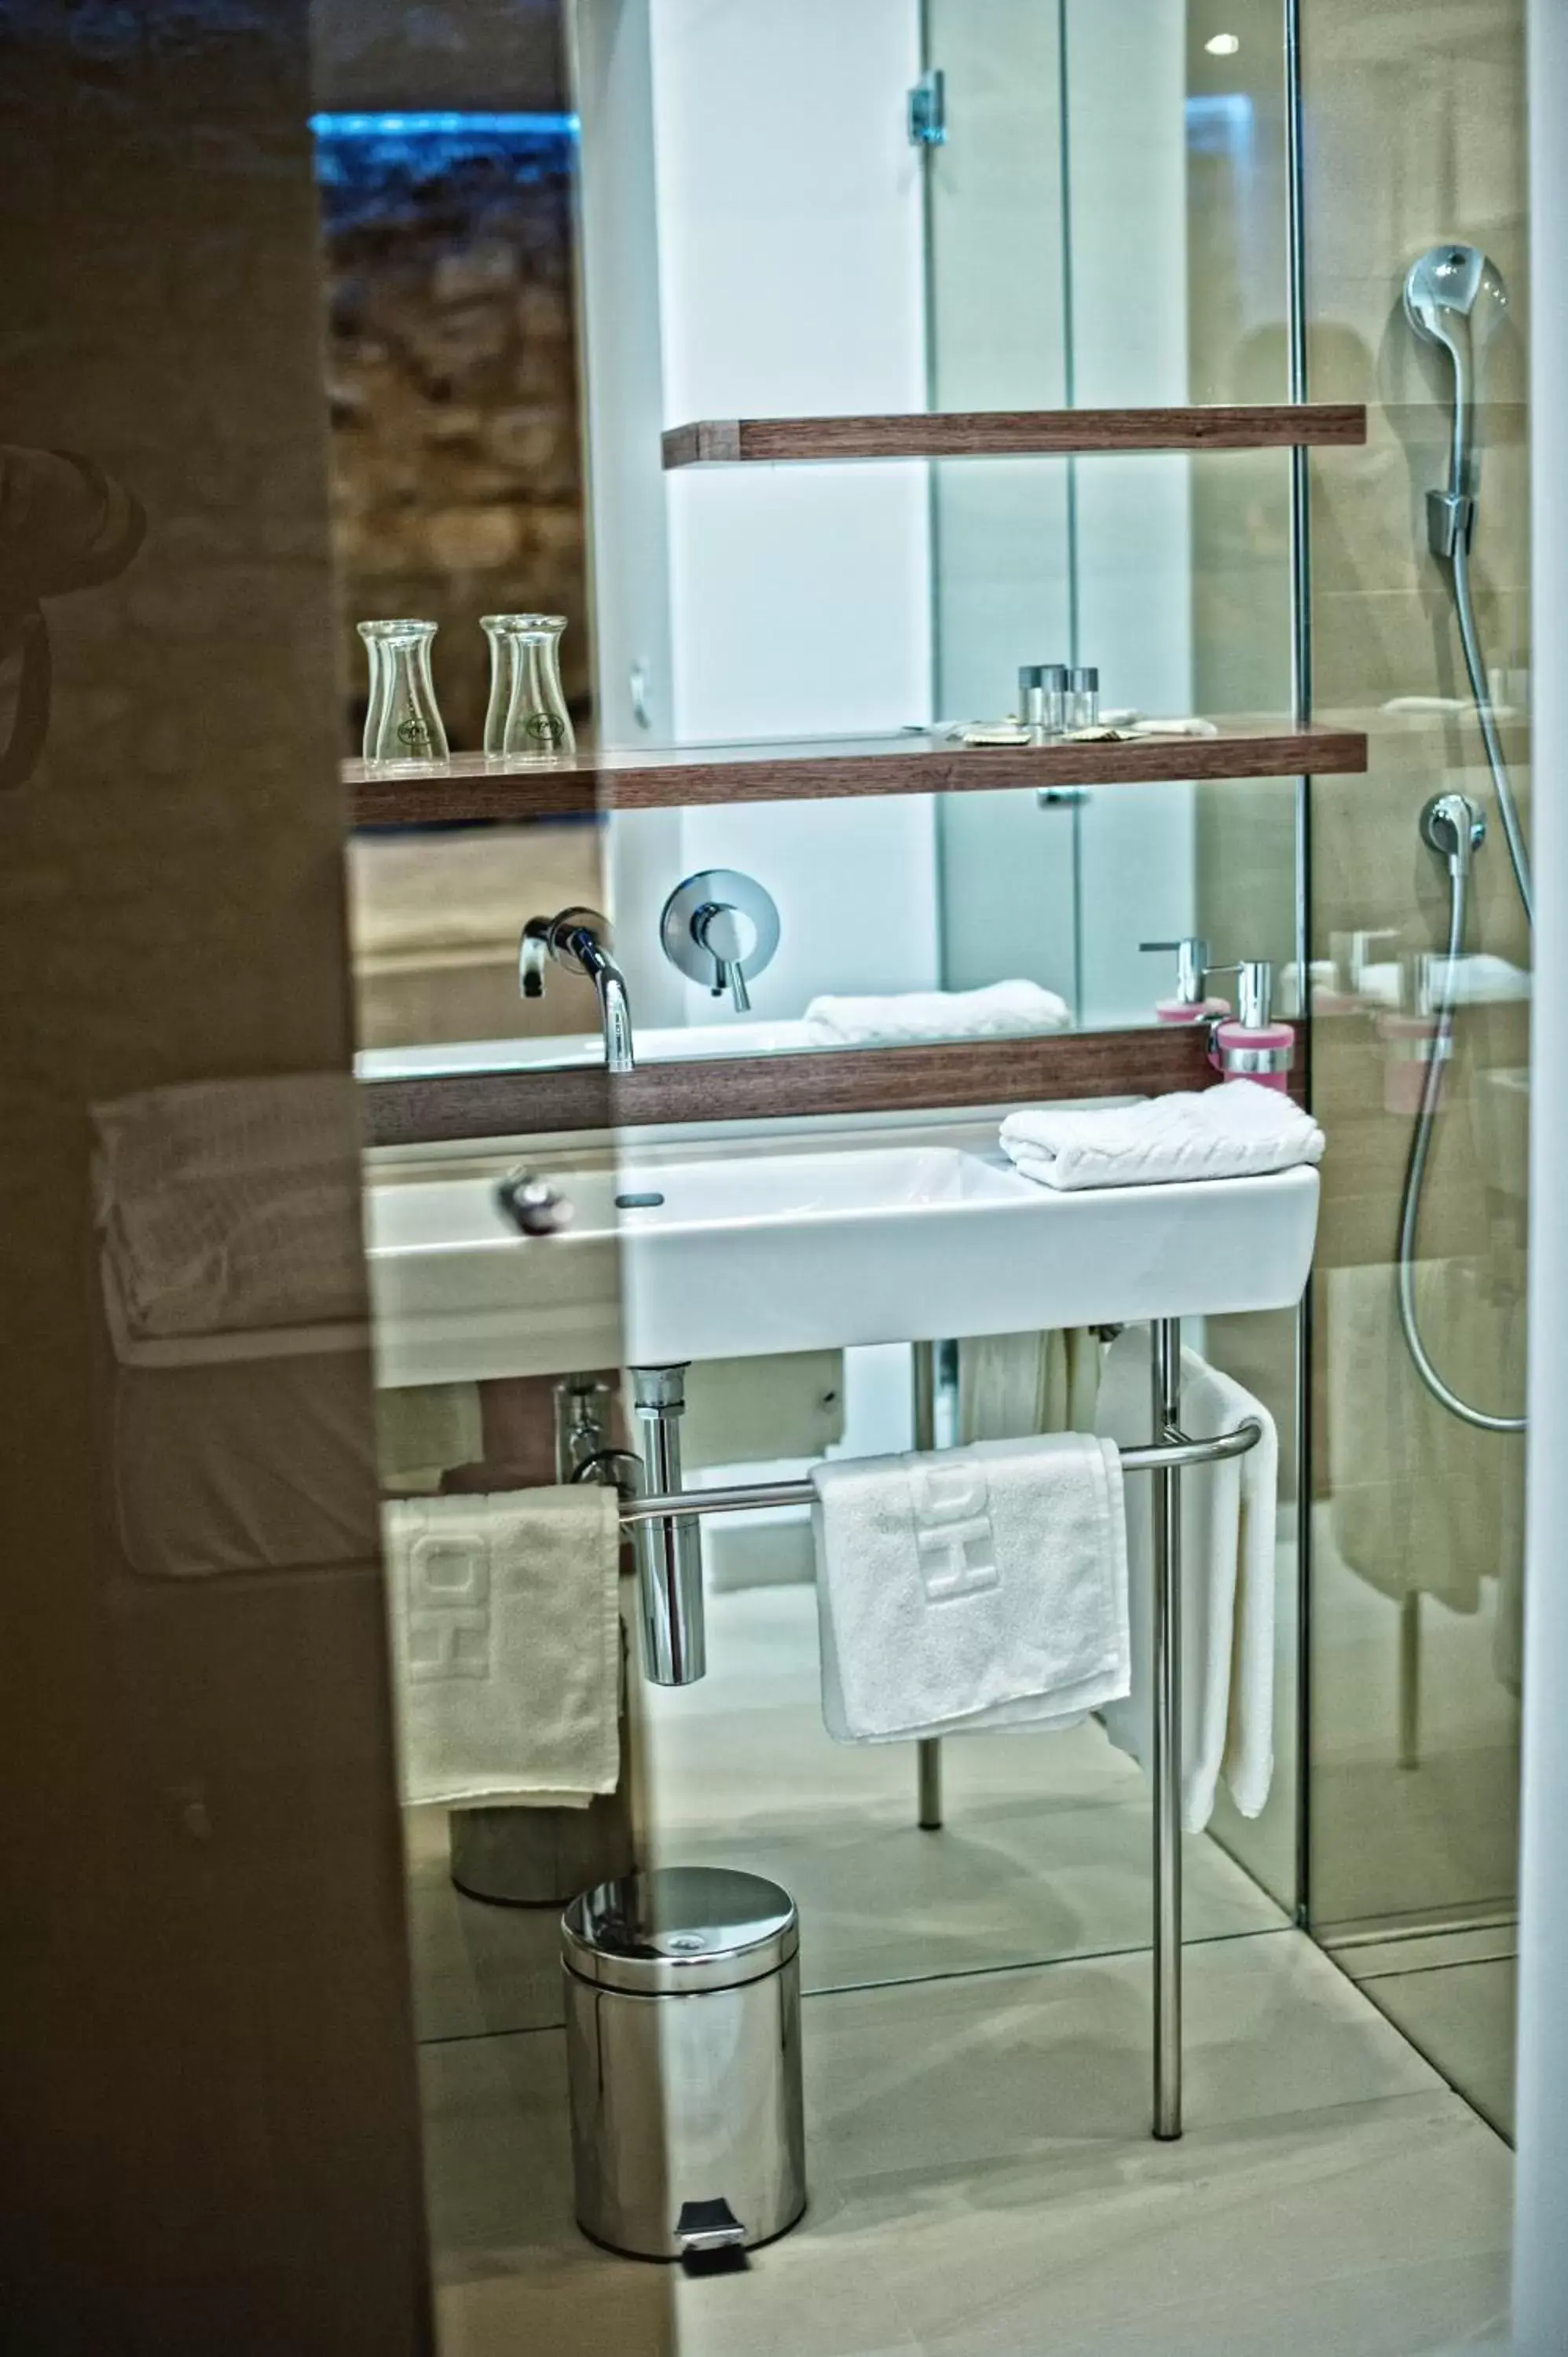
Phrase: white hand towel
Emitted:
{"points": [[1188, 727], [1229, 1516], [1236, 1130], [1010, 1385], [1002, 1010], [983, 1587], [505, 1639], [427, 1430]]}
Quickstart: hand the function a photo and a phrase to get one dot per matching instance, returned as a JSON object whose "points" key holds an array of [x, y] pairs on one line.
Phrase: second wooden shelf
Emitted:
{"points": [[1015, 432], [819, 768]]}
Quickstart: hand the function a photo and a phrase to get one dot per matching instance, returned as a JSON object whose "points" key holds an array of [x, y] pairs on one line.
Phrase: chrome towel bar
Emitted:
{"points": [[1159, 1457]]}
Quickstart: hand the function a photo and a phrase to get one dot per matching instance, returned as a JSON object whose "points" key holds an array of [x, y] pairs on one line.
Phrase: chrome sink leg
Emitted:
{"points": [[1410, 1680], [1166, 1658], [669, 1547], [928, 1752], [929, 1782]]}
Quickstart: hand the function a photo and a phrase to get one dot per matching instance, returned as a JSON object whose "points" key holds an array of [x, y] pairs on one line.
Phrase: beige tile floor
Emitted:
{"points": [[983, 2185], [1044, 1852]]}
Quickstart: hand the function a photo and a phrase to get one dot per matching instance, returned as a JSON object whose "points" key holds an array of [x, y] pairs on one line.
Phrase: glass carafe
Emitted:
{"points": [[403, 721], [526, 719]]}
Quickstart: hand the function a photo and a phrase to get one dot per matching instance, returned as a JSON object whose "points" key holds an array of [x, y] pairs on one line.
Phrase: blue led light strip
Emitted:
{"points": [[452, 124]]}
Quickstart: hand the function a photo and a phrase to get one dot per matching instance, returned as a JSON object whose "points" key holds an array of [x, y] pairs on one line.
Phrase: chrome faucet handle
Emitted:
{"points": [[534, 1206], [729, 938], [719, 928]]}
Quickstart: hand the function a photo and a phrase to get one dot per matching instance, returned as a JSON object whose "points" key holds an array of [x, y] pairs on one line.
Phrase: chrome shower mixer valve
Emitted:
{"points": [[718, 928]]}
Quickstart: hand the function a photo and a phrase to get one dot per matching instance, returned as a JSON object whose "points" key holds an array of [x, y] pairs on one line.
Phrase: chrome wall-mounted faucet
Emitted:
{"points": [[580, 941], [718, 928]]}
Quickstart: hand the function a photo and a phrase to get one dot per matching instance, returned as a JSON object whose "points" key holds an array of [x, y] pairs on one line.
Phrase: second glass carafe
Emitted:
{"points": [[527, 718]]}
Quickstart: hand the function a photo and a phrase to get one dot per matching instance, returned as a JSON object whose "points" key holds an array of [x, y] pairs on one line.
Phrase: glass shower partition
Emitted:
{"points": [[1106, 226]]}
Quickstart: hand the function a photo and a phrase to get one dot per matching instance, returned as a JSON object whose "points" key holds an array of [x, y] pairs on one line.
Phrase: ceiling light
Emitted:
{"points": [[1222, 45]]}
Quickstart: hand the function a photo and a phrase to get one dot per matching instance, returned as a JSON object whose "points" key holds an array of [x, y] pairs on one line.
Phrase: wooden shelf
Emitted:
{"points": [[1149, 1061], [822, 768], [1014, 434]]}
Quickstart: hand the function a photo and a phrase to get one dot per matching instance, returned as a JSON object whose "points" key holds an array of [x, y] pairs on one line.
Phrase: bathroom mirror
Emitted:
{"points": [[520, 301]]}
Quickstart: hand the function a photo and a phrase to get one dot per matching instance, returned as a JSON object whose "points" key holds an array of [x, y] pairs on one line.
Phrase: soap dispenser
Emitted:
{"points": [[1250, 1046], [1190, 1003]]}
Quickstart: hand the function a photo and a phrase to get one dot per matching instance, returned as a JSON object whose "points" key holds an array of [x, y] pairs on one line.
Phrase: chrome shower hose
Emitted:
{"points": [[1419, 1153]]}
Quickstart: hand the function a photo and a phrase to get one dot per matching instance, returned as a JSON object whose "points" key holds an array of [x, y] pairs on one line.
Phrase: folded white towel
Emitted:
{"points": [[506, 1635], [228, 1205], [1236, 1130], [1228, 1515], [1184, 726], [1002, 1010], [984, 1587]]}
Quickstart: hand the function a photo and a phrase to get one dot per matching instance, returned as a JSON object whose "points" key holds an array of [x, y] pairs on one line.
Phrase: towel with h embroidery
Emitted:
{"points": [[979, 1589]]}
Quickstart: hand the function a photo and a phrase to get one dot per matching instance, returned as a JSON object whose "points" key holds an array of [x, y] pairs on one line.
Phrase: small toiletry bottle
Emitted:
{"points": [[1053, 679], [1190, 1003], [1031, 695], [1250, 1046], [1083, 698]]}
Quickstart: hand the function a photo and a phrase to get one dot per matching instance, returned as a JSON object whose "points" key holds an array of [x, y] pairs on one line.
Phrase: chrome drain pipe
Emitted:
{"points": [[669, 1547]]}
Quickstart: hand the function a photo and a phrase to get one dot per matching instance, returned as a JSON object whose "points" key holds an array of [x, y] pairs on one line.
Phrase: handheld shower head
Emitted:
{"points": [[1455, 297]]}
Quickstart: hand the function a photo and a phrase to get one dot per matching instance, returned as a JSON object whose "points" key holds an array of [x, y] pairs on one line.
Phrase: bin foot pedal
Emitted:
{"points": [[711, 2236]]}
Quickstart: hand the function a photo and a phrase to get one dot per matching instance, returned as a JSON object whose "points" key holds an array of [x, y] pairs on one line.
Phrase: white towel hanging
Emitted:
{"points": [[979, 1588], [506, 1636], [1227, 1535]]}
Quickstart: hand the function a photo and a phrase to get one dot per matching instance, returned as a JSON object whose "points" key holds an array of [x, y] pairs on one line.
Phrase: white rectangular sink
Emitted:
{"points": [[680, 1043], [752, 1250]]}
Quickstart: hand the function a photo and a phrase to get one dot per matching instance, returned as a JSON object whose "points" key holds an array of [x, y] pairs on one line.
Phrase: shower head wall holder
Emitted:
{"points": [[1455, 827]]}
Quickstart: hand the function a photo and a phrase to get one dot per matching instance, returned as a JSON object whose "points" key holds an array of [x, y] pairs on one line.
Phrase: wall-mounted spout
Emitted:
{"points": [[579, 940]]}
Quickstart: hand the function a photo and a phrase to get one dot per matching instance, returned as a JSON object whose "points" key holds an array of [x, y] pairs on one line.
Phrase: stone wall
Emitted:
{"points": [[456, 451], [434, 53]]}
